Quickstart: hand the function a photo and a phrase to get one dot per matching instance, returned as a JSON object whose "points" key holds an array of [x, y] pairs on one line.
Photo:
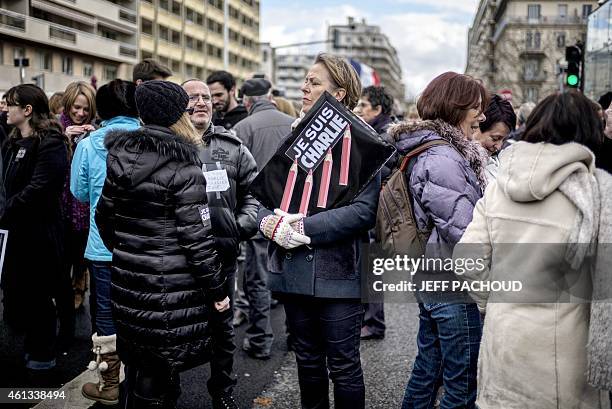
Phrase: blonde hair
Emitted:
{"points": [[285, 106], [56, 103], [73, 90], [344, 76], [184, 128]]}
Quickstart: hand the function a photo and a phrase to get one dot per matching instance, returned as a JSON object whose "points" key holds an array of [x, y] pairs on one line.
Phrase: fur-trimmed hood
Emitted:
{"points": [[408, 136], [141, 152]]}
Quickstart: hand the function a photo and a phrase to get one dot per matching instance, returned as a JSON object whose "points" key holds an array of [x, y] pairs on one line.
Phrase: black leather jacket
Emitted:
{"points": [[233, 212]]}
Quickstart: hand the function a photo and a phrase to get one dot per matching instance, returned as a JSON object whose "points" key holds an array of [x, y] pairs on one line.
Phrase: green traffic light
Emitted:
{"points": [[572, 80]]}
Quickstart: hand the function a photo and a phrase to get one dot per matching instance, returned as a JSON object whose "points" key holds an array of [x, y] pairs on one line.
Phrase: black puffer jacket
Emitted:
{"points": [[234, 211], [153, 216]]}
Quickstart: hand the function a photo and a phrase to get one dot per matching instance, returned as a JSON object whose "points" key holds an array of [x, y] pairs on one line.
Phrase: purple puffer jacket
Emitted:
{"points": [[446, 181]]}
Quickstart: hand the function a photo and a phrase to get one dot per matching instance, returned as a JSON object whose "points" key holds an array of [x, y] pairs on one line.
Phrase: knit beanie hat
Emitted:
{"points": [[161, 102]]}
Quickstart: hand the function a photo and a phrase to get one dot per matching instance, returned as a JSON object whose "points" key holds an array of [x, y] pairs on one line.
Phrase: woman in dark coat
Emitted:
{"points": [[153, 216], [35, 159], [314, 263]]}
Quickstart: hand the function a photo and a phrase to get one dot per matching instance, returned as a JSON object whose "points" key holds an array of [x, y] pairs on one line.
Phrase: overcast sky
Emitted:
{"points": [[430, 36]]}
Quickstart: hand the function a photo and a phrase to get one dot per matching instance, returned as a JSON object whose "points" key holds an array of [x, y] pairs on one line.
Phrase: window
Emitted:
{"points": [[176, 66], [176, 8], [199, 72], [586, 10], [109, 73], [88, 69], [67, 65], [189, 42], [531, 69], [560, 40], [213, 51], [146, 54], [200, 45], [529, 39], [107, 34], [164, 5], [189, 70], [216, 3], [189, 14], [537, 40], [176, 37], [46, 60], [562, 10], [531, 94], [533, 11], [163, 33], [18, 52], [146, 26], [164, 61]]}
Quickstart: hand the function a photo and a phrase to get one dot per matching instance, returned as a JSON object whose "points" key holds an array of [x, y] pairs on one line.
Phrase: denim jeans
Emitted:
{"points": [[326, 335], [448, 342], [101, 272]]}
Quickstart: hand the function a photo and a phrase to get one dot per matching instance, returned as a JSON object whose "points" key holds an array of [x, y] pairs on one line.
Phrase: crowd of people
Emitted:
{"points": [[139, 193]]}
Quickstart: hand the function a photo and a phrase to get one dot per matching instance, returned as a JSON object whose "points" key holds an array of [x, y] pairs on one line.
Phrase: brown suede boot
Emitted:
{"points": [[106, 391]]}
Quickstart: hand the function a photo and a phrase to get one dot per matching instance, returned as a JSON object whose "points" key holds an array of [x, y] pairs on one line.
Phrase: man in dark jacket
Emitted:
{"points": [[374, 107], [229, 169], [228, 112], [261, 132]]}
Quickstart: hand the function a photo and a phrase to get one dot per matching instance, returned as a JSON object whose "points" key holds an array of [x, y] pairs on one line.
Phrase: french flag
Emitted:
{"points": [[367, 74]]}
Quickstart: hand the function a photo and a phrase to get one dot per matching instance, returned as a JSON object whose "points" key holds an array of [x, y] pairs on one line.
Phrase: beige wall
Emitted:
{"points": [[55, 80]]}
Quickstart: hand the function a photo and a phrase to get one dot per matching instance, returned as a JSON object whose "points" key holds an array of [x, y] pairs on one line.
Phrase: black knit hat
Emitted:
{"points": [[161, 102]]}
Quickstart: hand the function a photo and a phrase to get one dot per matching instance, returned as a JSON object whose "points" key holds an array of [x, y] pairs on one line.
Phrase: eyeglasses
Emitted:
{"points": [[195, 98]]}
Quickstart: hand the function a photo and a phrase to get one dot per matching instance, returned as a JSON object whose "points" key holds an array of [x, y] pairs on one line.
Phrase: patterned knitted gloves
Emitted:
{"points": [[286, 230]]}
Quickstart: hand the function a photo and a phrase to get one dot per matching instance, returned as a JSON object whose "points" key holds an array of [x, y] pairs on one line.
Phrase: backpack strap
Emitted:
{"points": [[418, 150], [408, 164]]}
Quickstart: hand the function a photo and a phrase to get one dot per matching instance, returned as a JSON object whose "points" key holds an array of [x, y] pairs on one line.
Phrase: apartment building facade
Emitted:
{"points": [[67, 40], [368, 45], [290, 71], [519, 45], [189, 36], [598, 56]]}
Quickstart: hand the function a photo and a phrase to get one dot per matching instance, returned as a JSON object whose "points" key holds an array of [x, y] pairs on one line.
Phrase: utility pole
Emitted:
{"points": [[226, 35]]}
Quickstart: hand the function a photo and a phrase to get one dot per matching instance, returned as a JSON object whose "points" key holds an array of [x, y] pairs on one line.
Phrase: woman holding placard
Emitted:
{"points": [[314, 263]]}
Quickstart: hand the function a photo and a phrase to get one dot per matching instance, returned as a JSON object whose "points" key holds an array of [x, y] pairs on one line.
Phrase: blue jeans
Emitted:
{"points": [[101, 272], [448, 341]]}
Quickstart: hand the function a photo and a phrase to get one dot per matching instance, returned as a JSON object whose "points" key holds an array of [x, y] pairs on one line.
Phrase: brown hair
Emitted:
{"points": [[343, 76], [150, 69], [449, 96], [73, 90], [41, 119], [56, 103]]}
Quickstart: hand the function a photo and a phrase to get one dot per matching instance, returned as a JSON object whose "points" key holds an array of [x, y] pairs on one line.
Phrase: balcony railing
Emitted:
{"points": [[13, 21], [62, 34], [542, 20], [534, 77], [45, 32]]}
